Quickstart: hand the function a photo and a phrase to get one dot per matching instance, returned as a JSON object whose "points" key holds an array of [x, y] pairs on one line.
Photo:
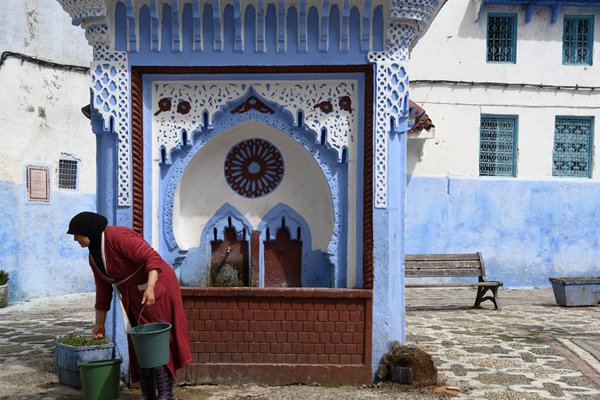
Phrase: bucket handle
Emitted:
{"points": [[140, 316]]}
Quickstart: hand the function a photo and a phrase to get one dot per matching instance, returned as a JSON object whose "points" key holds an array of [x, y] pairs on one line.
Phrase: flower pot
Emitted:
{"points": [[68, 357], [3, 295], [100, 379], [576, 291]]}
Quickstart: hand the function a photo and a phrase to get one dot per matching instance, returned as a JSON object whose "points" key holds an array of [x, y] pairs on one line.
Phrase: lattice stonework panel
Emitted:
{"points": [[110, 85], [180, 106], [497, 146], [572, 146]]}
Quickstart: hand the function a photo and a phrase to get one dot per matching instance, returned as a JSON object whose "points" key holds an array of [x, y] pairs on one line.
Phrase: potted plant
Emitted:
{"points": [[73, 349], [576, 291], [4, 277], [410, 365]]}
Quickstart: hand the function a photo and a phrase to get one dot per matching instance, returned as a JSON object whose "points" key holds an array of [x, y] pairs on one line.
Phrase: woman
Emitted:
{"points": [[149, 290]]}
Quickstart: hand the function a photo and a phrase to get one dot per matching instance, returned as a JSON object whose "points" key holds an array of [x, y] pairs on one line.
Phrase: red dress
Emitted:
{"points": [[125, 252]]}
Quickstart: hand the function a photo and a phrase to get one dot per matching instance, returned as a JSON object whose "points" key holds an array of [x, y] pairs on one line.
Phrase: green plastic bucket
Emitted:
{"points": [[100, 379], [151, 344]]}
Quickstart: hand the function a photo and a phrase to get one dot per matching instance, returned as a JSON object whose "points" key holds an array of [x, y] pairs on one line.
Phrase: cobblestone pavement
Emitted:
{"points": [[531, 349]]}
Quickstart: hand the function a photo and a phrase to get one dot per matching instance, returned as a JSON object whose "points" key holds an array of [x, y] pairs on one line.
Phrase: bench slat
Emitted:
{"points": [[472, 284], [442, 272], [441, 257]]}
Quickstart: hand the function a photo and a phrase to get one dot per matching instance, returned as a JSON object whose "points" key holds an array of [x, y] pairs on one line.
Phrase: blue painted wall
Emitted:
{"points": [[41, 258], [527, 230]]}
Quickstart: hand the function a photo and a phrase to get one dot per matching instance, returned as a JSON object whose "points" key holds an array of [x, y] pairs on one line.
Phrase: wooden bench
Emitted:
{"points": [[452, 266]]}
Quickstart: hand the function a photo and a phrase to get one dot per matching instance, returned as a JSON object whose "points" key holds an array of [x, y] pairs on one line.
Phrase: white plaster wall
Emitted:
{"points": [[203, 189], [456, 109]]}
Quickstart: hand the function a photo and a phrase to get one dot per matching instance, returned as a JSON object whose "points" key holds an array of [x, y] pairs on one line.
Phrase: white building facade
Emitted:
{"points": [[512, 170]]}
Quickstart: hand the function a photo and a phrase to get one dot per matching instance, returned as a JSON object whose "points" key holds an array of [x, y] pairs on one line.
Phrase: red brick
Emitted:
{"points": [[222, 347], [290, 315], [242, 326], [329, 305], [232, 347], [312, 315], [198, 325], [301, 358], [221, 325], [258, 358], [333, 316], [334, 359], [350, 327], [242, 348], [227, 314], [210, 325], [223, 304], [323, 359], [319, 348], [215, 315], [341, 306], [276, 348], [352, 306], [301, 315], [297, 348], [325, 338], [293, 337], [275, 305], [226, 358], [290, 359], [279, 358], [215, 336], [308, 326], [308, 306], [253, 326], [265, 347], [197, 347], [204, 315], [192, 314], [248, 337], [336, 337], [253, 347], [270, 337], [319, 327], [204, 336], [355, 317], [194, 358], [238, 336], [277, 326], [259, 336], [303, 337], [286, 326], [313, 337], [281, 337], [242, 304], [312, 359], [253, 304], [265, 304], [265, 326], [357, 338], [340, 327], [203, 358], [237, 315], [322, 316], [360, 328], [296, 326], [264, 315], [236, 358], [279, 315], [210, 304], [269, 358], [330, 327], [345, 359], [194, 336], [318, 306], [329, 348], [351, 349], [356, 359], [231, 325], [210, 347], [248, 315], [308, 348], [340, 348], [346, 338], [344, 316], [247, 358], [200, 304], [297, 305], [286, 348]]}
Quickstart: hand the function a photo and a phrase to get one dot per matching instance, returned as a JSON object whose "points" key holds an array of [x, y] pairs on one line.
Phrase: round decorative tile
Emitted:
{"points": [[254, 168]]}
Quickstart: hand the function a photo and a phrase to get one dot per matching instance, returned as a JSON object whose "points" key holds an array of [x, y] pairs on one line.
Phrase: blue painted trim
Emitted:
{"points": [[176, 44], [590, 44], [529, 6], [515, 119], [590, 120]]}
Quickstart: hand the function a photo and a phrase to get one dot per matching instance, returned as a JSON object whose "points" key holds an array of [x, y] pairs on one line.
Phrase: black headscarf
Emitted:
{"points": [[91, 225]]}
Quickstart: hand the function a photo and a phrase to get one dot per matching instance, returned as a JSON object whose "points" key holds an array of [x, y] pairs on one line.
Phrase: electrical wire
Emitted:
{"points": [[41, 62], [503, 84]]}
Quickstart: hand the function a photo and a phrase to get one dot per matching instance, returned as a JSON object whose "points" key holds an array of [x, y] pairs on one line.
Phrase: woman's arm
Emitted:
{"points": [[98, 330], [148, 298]]}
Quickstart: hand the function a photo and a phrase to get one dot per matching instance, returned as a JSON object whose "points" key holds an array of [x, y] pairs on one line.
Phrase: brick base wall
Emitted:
{"points": [[278, 336]]}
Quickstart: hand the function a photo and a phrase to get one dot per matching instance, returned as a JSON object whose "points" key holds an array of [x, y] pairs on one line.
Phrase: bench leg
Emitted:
{"points": [[481, 291]]}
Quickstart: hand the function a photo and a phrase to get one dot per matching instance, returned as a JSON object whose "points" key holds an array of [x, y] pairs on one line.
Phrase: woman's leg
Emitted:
{"points": [[164, 383], [147, 384]]}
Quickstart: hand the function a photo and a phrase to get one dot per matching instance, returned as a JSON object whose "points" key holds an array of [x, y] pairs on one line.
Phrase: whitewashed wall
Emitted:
{"points": [[41, 121], [534, 225]]}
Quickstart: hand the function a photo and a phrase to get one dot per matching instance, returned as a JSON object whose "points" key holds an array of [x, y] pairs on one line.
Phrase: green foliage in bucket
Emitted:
{"points": [[78, 340], [4, 277]]}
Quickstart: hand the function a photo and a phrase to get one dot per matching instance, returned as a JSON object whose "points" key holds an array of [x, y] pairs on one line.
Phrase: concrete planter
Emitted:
{"points": [[576, 291], [3, 295]]}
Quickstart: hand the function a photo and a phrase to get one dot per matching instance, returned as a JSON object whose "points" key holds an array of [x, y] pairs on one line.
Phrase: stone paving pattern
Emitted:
{"points": [[531, 349]]}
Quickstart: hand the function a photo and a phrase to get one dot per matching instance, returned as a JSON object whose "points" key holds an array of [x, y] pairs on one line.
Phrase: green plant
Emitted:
{"points": [[4, 277], [77, 340]]}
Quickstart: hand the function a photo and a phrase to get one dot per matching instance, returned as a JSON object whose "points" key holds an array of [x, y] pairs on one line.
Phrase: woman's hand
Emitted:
{"points": [[98, 332], [148, 298]]}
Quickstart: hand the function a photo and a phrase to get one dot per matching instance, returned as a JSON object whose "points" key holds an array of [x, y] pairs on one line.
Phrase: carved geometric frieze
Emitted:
{"points": [[326, 107]]}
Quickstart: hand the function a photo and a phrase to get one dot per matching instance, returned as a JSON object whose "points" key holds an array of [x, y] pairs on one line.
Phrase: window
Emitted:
{"points": [[502, 38], [498, 142], [578, 39], [572, 155], [67, 174]]}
